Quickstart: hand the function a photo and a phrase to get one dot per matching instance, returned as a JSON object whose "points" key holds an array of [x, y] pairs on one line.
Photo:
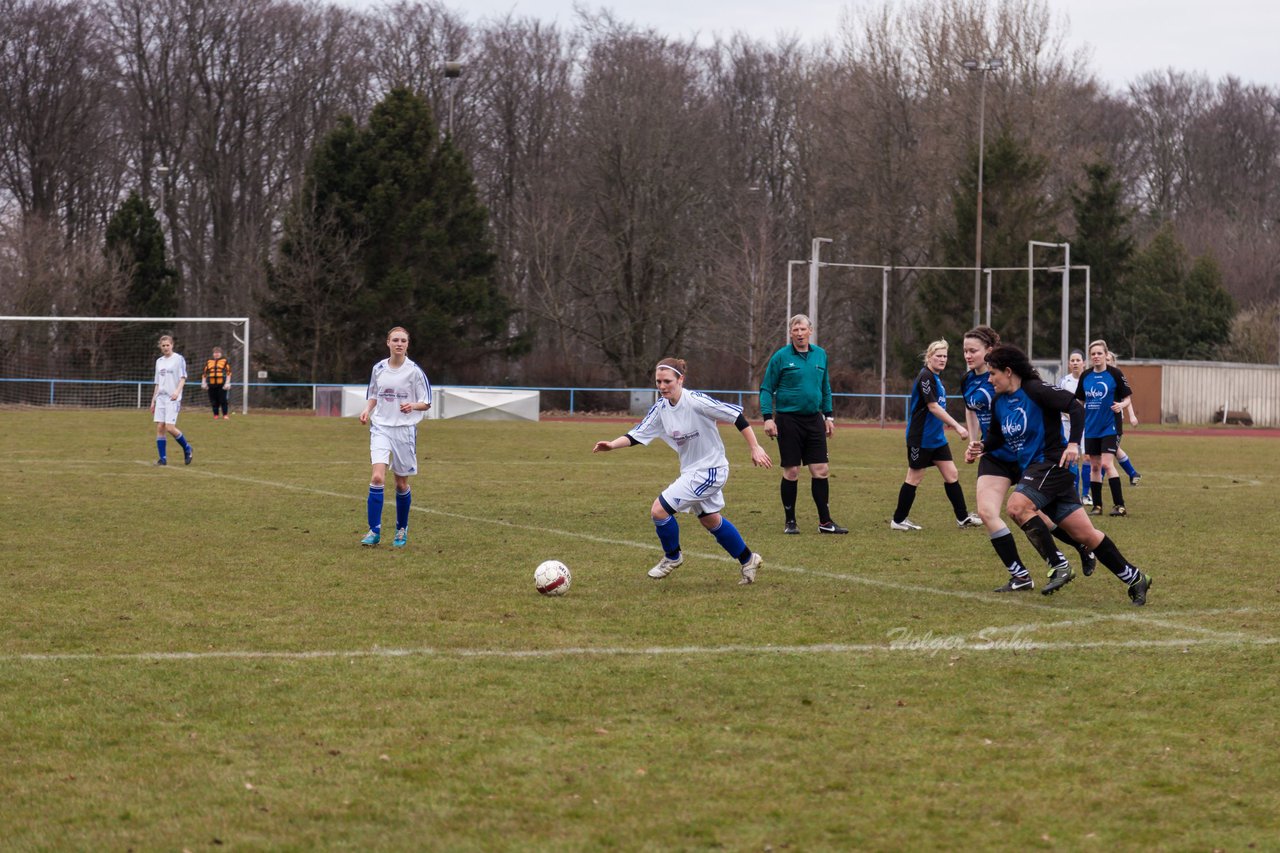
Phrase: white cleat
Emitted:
{"points": [[970, 520], [749, 569], [905, 524], [665, 567]]}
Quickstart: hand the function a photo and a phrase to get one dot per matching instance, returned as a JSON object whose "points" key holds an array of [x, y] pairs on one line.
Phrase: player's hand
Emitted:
{"points": [[406, 408], [830, 426], [602, 447], [760, 457], [1069, 455], [1115, 407], [364, 416], [1133, 419], [173, 396], [964, 433], [770, 428]]}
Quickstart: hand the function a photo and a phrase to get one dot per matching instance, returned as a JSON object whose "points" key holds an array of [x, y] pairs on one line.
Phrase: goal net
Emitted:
{"points": [[110, 361]]}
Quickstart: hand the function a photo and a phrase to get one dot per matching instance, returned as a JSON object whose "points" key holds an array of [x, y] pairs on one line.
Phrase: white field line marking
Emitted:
{"points": [[986, 598], [960, 644]]}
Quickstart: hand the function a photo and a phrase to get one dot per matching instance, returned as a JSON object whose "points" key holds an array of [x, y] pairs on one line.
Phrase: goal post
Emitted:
{"points": [[109, 362]]}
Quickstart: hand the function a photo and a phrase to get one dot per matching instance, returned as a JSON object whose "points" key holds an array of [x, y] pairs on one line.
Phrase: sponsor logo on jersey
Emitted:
{"points": [[681, 437]]}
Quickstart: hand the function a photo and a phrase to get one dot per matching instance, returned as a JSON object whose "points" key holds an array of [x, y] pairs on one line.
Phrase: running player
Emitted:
{"points": [[927, 445], [1026, 418], [398, 398], [998, 471], [686, 420], [1103, 390], [166, 400], [1121, 457]]}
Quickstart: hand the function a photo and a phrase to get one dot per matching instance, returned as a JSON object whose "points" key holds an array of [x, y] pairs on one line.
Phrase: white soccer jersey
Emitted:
{"points": [[1068, 383], [392, 386], [689, 427], [170, 370]]}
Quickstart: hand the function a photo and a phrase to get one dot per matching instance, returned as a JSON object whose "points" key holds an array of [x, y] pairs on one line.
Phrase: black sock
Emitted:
{"points": [[1117, 496], [1063, 536], [955, 494], [1110, 555], [1038, 534], [821, 491], [1007, 551], [1095, 489], [906, 497], [789, 490]]}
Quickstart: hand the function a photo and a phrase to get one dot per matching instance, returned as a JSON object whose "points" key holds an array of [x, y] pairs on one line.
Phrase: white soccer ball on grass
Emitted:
{"points": [[552, 578]]}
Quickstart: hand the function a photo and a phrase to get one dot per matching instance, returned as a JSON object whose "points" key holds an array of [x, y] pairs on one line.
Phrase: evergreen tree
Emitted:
{"points": [[399, 206], [1016, 208], [136, 243], [1170, 307], [1102, 241]]}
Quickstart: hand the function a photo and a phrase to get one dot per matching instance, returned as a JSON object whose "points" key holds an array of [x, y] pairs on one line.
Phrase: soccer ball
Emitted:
{"points": [[552, 578]]}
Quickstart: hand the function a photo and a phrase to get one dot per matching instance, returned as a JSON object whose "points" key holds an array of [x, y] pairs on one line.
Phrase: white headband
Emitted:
{"points": [[670, 367]]}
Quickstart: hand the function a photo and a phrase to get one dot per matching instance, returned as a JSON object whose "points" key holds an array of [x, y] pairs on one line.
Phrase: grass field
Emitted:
{"points": [[202, 657]]}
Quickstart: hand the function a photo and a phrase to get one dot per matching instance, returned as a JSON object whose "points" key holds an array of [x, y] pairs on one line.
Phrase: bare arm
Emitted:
{"points": [[941, 414], [759, 456], [606, 446]]}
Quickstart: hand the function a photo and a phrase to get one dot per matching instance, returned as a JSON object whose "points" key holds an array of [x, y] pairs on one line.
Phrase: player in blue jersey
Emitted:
{"points": [[688, 421], [1026, 418], [927, 445], [998, 471], [398, 398], [1103, 390]]}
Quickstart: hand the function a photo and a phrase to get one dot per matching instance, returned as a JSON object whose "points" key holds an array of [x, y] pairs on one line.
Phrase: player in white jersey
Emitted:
{"points": [[687, 420], [399, 396], [166, 399]]}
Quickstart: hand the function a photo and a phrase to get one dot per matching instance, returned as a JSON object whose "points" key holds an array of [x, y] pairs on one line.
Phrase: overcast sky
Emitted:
{"points": [[1125, 37]]}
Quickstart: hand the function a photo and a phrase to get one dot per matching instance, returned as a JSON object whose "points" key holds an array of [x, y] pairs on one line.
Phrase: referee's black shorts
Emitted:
{"points": [[802, 439]]}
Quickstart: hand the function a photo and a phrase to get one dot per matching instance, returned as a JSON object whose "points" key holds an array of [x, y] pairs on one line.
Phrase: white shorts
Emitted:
{"points": [[396, 447], [167, 410], [698, 492]]}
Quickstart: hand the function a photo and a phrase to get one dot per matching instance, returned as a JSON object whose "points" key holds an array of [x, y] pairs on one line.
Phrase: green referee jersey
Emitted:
{"points": [[796, 383]]}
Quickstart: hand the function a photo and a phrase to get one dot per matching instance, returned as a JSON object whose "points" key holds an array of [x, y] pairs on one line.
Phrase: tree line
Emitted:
{"points": [[587, 198]]}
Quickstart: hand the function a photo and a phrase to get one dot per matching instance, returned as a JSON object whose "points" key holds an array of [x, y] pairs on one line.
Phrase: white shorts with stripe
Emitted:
{"points": [[167, 410], [699, 492], [396, 447]]}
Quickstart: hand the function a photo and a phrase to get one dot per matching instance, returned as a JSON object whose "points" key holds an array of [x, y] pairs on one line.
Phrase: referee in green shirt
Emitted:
{"points": [[795, 399]]}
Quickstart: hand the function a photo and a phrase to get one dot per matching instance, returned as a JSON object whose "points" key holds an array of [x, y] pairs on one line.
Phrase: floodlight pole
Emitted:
{"points": [[452, 71], [786, 332], [815, 248], [980, 68]]}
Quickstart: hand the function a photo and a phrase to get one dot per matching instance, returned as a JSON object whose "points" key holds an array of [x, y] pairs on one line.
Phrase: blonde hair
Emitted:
{"points": [[1099, 343], [675, 365], [934, 347], [398, 329]]}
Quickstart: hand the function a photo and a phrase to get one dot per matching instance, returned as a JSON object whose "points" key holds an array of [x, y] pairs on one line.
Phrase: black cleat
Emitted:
{"points": [[831, 527], [186, 458], [1017, 585], [1138, 589], [1119, 511], [791, 529], [161, 462], [1088, 562], [1096, 509], [1059, 577]]}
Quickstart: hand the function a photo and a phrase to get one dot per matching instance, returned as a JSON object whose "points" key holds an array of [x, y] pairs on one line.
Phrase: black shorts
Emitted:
{"points": [[1102, 444], [802, 439], [990, 466], [1051, 488], [920, 458]]}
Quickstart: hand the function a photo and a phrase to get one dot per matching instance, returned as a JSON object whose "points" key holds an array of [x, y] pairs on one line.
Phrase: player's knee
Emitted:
{"points": [[819, 469]]}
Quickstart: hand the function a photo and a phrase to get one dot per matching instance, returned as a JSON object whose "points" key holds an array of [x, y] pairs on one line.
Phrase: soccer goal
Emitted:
{"points": [[109, 362]]}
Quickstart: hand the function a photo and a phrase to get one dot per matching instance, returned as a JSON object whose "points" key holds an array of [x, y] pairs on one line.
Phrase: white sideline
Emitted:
{"points": [[964, 645]]}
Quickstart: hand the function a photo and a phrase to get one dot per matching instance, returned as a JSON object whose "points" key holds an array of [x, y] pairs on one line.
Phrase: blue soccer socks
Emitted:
{"points": [[668, 530], [403, 502], [374, 508]]}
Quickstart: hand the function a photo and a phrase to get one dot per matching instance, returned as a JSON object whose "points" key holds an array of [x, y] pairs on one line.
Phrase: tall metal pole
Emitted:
{"points": [[452, 71], [1066, 302], [815, 248], [977, 242]]}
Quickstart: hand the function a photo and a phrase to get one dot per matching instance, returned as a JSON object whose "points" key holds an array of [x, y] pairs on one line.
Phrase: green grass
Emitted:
{"points": [[204, 657]]}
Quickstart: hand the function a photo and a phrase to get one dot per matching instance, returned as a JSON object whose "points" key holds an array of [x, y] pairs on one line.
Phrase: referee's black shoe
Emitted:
{"points": [[831, 527], [791, 528]]}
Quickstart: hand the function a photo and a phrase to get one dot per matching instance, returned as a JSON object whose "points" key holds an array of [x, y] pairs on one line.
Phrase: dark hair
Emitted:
{"points": [[1077, 351], [1010, 357], [989, 336], [676, 364]]}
